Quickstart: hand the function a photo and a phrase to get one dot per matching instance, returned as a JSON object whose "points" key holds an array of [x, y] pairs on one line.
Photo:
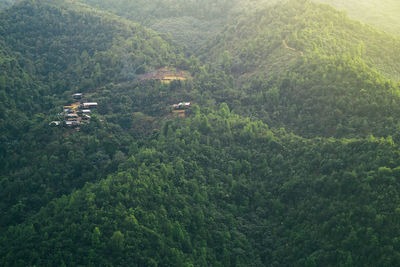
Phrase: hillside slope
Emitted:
{"points": [[74, 45], [307, 67], [306, 28], [190, 23], [49, 50], [382, 14], [219, 190]]}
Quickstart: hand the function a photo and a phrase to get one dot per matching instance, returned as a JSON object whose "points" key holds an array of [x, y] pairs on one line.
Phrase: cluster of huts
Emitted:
{"points": [[79, 112], [76, 113]]}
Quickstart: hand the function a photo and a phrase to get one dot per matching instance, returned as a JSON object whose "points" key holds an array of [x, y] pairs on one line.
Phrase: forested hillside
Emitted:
{"points": [[262, 40], [16, 97], [189, 22], [72, 45], [231, 133], [7, 3], [224, 191], [382, 14], [52, 49], [309, 68]]}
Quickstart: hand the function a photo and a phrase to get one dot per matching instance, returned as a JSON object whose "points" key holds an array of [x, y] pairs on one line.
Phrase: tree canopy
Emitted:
{"points": [[278, 147]]}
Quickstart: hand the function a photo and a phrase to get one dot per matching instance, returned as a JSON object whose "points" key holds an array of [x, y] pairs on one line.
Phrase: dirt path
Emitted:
{"points": [[291, 48]]}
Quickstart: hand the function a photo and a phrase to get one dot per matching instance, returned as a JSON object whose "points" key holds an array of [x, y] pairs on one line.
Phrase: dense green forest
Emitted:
{"points": [[220, 190], [47, 65], [71, 46], [255, 40], [7, 3], [189, 22], [193, 22], [288, 155], [319, 73]]}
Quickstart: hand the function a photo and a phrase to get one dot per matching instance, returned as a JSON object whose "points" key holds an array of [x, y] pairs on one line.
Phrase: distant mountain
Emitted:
{"points": [[259, 39], [309, 66], [191, 23], [382, 14]]}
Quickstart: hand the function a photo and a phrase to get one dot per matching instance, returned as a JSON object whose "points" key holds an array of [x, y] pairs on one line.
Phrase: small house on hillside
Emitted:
{"points": [[68, 109], [86, 117], [89, 105], [72, 116], [55, 123], [77, 96], [180, 108], [72, 123], [168, 79], [84, 111], [182, 105]]}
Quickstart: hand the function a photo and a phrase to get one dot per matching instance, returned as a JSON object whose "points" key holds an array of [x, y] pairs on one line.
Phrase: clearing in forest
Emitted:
{"points": [[166, 75]]}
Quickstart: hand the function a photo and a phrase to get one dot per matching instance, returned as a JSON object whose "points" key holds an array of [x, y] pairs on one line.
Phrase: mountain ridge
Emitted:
{"points": [[379, 14], [302, 25]]}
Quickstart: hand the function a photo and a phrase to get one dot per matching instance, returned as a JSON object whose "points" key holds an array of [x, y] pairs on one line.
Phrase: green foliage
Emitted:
{"points": [[72, 46], [7, 3], [48, 50], [321, 96], [255, 39], [309, 68], [199, 201], [191, 23], [138, 186]]}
